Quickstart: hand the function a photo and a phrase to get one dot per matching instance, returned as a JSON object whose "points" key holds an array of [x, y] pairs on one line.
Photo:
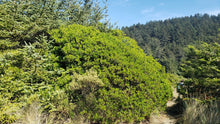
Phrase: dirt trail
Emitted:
{"points": [[165, 118]]}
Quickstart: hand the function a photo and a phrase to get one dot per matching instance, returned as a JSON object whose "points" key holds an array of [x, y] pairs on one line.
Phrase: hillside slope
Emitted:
{"points": [[166, 40]]}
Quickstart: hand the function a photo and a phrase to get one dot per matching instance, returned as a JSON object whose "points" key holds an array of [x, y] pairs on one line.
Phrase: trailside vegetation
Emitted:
{"points": [[202, 70], [200, 91], [187, 46]]}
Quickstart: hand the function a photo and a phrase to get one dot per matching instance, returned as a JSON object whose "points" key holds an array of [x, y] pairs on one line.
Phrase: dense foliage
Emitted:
{"points": [[27, 69], [27, 75], [24, 20], [130, 87], [202, 69], [166, 40], [134, 84], [73, 71]]}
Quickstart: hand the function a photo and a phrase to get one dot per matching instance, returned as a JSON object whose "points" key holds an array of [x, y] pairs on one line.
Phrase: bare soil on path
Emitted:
{"points": [[168, 117]]}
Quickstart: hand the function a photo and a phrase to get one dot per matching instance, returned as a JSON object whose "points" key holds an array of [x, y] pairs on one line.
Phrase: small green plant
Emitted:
{"points": [[83, 91]]}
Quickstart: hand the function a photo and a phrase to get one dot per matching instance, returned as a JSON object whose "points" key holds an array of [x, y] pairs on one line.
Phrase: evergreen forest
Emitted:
{"points": [[166, 40], [63, 62]]}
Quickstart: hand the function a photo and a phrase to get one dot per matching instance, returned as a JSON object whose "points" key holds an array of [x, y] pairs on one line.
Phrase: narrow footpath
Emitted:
{"points": [[168, 117]]}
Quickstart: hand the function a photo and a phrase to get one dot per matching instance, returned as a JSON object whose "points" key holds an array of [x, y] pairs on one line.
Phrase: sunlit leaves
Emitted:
{"points": [[202, 67], [134, 84]]}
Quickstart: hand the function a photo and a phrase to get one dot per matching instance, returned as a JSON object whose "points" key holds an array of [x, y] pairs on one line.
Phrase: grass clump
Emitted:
{"points": [[197, 112]]}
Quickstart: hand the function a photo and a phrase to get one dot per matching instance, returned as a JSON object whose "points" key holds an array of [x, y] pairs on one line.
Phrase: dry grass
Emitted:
{"points": [[34, 115], [200, 113]]}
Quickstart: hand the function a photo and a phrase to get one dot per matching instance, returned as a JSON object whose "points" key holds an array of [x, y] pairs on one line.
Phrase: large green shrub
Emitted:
{"points": [[134, 84]]}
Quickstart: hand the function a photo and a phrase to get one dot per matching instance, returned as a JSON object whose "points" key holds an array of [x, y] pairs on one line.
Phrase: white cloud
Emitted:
{"points": [[213, 12], [161, 15], [161, 4], [122, 3], [149, 10]]}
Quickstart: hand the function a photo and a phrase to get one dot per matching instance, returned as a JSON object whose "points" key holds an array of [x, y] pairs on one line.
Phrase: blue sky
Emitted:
{"points": [[129, 12]]}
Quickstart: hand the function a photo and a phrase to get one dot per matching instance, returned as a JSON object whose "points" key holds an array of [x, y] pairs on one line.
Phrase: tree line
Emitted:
{"points": [[166, 40]]}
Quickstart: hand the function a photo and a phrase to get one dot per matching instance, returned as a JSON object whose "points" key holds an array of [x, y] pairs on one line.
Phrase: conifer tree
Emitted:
{"points": [[24, 20], [202, 68]]}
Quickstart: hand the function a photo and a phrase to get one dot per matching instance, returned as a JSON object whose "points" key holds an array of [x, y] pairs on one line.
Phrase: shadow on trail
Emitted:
{"points": [[176, 110]]}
